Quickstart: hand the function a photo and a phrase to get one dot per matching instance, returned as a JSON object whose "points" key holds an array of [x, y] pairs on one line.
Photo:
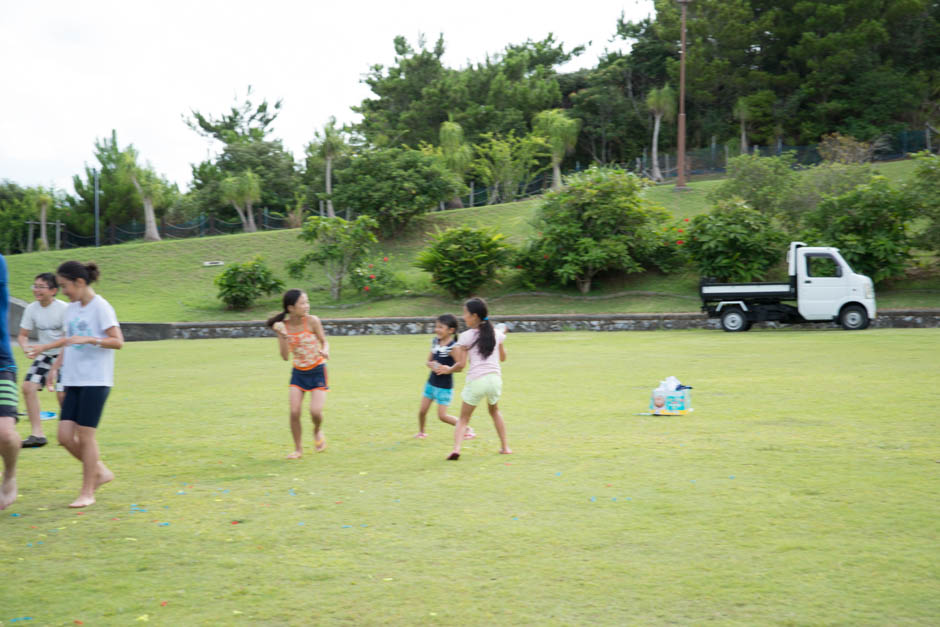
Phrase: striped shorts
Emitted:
{"points": [[9, 394]]}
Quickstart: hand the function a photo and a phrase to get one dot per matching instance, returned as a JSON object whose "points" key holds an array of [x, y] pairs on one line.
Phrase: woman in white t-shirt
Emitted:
{"points": [[92, 335], [483, 346]]}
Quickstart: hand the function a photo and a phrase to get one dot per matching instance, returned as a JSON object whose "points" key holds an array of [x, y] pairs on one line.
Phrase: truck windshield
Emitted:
{"points": [[819, 265]]}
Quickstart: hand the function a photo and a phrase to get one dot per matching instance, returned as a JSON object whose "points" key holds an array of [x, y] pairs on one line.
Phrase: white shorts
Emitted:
{"points": [[489, 386]]}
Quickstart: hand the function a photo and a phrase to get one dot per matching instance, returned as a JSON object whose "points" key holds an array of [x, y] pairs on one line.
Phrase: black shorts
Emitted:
{"points": [[9, 394], [84, 404], [308, 380]]}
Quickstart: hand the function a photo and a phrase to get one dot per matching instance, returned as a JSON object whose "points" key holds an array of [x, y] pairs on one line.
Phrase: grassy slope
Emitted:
{"points": [[166, 281], [798, 494]]}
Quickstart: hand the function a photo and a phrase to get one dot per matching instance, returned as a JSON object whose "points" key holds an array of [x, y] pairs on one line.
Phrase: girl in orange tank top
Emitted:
{"points": [[301, 335]]}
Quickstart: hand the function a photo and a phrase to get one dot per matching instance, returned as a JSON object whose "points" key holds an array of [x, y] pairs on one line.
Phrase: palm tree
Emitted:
{"points": [[457, 154], [242, 191], [662, 104], [742, 111], [330, 145], [44, 200], [561, 132], [149, 187]]}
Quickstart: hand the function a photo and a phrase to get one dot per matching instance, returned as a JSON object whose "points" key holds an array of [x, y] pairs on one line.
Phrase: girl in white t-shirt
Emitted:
{"points": [[483, 346], [92, 335]]}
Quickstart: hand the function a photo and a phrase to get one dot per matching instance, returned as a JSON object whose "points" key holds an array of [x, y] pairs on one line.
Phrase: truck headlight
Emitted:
{"points": [[869, 290]]}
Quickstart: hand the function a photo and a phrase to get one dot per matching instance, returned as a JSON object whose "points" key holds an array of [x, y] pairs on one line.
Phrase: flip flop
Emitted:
{"points": [[469, 435], [320, 444], [453, 457], [34, 442]]}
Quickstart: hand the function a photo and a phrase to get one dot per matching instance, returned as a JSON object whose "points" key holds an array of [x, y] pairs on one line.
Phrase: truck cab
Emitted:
{"points": [[821, 282]]}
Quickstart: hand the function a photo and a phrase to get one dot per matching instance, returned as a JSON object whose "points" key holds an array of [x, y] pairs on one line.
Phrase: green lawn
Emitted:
{"points": [[166, 281], [801, 490]]}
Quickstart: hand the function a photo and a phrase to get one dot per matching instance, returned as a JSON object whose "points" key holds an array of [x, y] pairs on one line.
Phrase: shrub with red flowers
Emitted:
{"points": [[375, 278], [733, 242]]}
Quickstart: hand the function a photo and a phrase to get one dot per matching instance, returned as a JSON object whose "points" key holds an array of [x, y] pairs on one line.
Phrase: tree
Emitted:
{"points": [[44, 200], [456, 153], [599, 222], [393, 185], [150, 188], [662, 104], [243, 121], [506, 164], [764, 183], [329, 144], [338, 246], [242, 191], [561, 133]]}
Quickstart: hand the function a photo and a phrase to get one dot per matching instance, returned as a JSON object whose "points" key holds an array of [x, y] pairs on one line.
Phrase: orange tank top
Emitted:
{"points": [[305, 347]]}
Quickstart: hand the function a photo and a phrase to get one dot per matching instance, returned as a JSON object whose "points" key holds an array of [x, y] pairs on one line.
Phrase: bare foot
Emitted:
{"points": [[320, 441], [7, 493], [295, 455], [104, 475], [469, 434], [421, 435], [505, 451], [82, 501]]}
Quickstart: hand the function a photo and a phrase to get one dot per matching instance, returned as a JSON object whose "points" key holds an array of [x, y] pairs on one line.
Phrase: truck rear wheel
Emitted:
{"points": [[853, 318], [734, 320]]}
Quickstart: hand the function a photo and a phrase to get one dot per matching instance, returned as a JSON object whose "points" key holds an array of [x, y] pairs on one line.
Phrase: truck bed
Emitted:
{"points": [[743, 291]]}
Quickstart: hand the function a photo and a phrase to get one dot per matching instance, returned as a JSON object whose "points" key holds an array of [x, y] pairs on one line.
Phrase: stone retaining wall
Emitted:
{"points": [[143, 331], [922, 318]]}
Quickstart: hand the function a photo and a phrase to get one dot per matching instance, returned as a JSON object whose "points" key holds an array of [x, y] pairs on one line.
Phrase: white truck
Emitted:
{"points": [[821, 282]]}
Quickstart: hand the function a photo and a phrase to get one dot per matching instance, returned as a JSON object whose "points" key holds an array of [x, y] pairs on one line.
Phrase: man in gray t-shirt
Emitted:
{"points": [[45, 316]]}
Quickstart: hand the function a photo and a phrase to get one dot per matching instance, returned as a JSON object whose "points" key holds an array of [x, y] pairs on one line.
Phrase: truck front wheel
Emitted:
{"points": [[734, 320], [853, 318]]}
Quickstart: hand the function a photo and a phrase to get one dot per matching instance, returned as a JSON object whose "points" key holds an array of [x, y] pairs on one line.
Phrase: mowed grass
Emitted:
{"points": [[167, 282], [802, 489]]}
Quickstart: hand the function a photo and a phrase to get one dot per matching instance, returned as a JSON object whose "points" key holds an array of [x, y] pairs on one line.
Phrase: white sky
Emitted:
{"points": [[73, 70]]}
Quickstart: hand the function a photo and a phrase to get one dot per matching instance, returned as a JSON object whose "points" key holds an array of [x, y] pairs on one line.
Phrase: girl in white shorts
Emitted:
{"points": [[483, 346]]}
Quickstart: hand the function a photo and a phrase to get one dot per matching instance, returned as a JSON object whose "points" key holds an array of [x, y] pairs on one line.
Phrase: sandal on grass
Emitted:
{"points": [[34, 442], [453, 457]]}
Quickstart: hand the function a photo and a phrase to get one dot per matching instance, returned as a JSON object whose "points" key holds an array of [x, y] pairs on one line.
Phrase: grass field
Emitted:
{"points": [[802, 490], [166, 281]]}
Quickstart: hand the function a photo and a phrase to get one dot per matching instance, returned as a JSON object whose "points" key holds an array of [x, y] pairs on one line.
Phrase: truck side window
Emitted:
{"points": [[822, 266]]}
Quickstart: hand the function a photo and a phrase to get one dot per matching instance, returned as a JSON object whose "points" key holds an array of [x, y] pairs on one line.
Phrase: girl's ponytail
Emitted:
{"points": [[290, 298], [486, 340]]}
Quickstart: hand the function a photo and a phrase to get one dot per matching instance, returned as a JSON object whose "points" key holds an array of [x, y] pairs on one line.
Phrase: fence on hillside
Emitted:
{"points": [[709, 160]]}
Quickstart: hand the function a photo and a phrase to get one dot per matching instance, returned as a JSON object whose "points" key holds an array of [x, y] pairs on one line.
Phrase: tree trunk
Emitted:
{"points": [[251, 226], [43, 240], [151, 234], [584, 284], [743, 138], [656, 173], [329, 187], [556, 175], [241, 216]]}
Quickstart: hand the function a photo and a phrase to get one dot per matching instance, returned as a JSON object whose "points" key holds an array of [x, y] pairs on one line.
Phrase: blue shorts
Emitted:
{"points": [[84, 404], [309, 380], [441, 396]]}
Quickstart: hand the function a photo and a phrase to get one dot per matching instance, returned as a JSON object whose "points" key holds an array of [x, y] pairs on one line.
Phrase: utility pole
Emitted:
{"points": [[97, 238], [680, 175]]}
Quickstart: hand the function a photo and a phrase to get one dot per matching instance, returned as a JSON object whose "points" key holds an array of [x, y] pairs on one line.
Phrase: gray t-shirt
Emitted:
{"points": [[48, 321]]}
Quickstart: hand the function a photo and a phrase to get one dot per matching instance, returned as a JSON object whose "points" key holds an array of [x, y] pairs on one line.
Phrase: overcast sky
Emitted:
{"points": [[74, 70]]}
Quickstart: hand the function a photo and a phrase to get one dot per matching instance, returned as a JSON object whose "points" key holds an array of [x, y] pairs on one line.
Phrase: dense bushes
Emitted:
{"points": [[599, 222], [734, 243], [462, 259], [241, 284], [868, 225]]}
